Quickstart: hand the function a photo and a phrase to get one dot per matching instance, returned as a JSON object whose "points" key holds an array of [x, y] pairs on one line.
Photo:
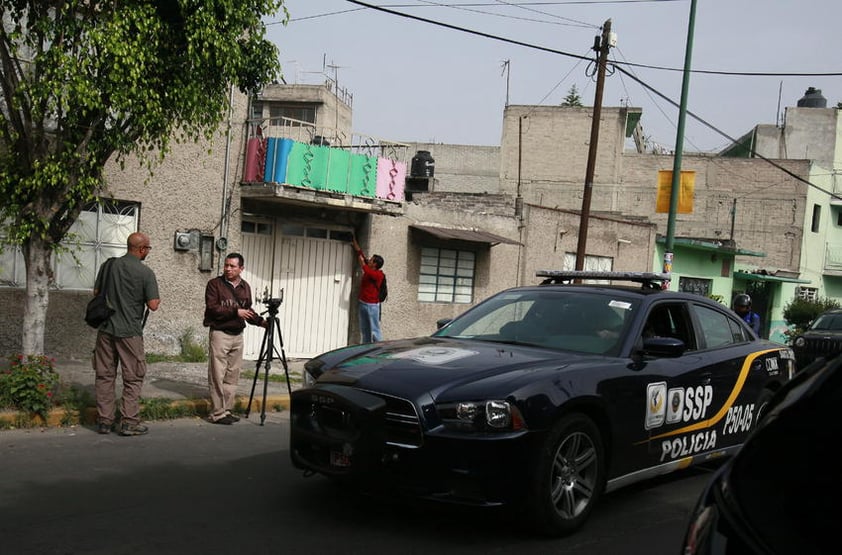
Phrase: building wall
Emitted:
{"points": [[759, 202], [546, 147], [462, 168], [333, 116], [391, 237], [183, 193]]}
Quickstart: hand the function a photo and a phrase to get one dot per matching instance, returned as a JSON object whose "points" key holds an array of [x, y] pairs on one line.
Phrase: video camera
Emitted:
{"points": [[272, 303]]}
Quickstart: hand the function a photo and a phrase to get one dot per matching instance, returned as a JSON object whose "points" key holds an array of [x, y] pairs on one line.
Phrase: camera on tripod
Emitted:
{"points": [[272, 303]]}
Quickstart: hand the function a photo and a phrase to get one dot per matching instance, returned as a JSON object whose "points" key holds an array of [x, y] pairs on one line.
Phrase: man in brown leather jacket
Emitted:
{"points": [[227, 310]]}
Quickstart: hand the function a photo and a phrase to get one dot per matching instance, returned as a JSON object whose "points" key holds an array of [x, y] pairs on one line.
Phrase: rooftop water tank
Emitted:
{"points": [[422, 164], [812, 99]]}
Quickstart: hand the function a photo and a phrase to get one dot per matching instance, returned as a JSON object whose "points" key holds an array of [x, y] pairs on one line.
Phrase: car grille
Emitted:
{"points": [[403, 427], [822, 346]]}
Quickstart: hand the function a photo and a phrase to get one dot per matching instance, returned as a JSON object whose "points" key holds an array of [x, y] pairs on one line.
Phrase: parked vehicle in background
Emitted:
{"points": [[751, 506], [541, 398], [822, 338]]}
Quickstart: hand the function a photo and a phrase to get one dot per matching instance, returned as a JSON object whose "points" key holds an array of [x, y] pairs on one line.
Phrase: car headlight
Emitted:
{"points": [[799, 342], [481, 416]]}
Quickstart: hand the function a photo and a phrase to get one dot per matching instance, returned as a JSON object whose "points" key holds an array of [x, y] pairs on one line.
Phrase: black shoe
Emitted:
{"points": [[227, 420], [133, 430], [103, 428], [234, 418]]}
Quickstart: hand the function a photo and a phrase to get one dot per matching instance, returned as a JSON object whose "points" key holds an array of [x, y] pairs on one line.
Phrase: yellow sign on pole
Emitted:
{"points": [[686, 188]]}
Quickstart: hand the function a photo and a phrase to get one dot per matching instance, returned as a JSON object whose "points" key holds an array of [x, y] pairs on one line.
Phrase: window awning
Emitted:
{"points": [[768, 277], [466, 235]]}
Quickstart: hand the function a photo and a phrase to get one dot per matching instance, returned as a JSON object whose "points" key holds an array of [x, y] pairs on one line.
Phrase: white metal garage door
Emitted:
{"points": [[313, 265]]}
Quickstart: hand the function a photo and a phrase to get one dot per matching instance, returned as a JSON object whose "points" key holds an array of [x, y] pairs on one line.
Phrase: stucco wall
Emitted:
{"points": [[184, 193], [463, 168], [769, 203], [403, 315]]}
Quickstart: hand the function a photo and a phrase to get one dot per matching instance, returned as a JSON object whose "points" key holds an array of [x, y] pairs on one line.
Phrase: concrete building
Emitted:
{"points": [[487, 219], [447, 245]]}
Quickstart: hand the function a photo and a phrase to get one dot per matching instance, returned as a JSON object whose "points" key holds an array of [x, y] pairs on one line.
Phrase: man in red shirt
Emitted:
{"points": [[369, 307]]}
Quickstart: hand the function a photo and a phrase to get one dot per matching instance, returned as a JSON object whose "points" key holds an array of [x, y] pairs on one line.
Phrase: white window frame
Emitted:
{"points": [[447, 275], [99, 233]]}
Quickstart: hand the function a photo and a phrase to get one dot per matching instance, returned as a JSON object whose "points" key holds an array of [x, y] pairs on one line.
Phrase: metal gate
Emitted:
{"points": [[313, 267]]}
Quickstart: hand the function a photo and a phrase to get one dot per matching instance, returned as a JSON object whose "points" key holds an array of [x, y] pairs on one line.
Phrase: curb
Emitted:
{"points": [[62, 417]]}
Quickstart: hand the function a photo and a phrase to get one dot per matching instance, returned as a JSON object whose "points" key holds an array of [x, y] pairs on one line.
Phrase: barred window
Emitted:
{"points": [[808, 293], [447, 276], [99, 233], [699, 286]]}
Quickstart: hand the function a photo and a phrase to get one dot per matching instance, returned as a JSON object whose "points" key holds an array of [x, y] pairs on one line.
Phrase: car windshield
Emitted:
{"points": [[828, 322], [571, 319]]}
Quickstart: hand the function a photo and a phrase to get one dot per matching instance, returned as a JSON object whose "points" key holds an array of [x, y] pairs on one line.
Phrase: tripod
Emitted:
{"points": [[268, 352]]}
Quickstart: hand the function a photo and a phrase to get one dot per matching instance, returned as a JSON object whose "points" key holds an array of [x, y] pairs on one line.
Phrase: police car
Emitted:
{"points": [[541, 398]]}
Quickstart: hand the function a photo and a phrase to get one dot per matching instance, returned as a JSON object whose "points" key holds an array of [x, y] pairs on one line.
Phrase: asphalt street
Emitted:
{"points": [[194, 487]]}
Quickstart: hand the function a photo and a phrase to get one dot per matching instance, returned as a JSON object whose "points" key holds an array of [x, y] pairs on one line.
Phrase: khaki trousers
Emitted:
{"points": [[225, 361], [128, 352]]}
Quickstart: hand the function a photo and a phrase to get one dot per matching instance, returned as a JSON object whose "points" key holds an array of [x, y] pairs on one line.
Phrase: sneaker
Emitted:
{"points": [[227, 420], [103, 428], [233, 417], [133, 430]]}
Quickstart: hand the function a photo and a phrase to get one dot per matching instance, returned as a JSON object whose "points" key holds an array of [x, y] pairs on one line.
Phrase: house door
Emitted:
{"points": [[310, 268]]}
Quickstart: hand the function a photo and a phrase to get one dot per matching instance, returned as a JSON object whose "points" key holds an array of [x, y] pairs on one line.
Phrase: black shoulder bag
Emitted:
{"points": [[98, 310]]}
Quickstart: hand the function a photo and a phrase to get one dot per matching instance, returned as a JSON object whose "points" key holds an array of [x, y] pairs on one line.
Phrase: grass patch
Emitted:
{"points": [[165, 409]]}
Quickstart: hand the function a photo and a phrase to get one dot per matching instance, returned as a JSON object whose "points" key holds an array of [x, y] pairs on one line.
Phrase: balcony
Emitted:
{"points": [[297, 160]]}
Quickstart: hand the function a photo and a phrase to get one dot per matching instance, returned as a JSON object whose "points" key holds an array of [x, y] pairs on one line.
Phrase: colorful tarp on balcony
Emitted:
{"points": [[279, 160]]}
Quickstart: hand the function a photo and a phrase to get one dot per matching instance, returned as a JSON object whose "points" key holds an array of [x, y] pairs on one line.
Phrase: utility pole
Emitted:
{"points": [[600, 46], [679, 146]]}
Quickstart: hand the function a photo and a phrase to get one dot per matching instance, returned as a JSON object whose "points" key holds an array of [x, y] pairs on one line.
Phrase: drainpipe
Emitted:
{"points": [[226, 201]]}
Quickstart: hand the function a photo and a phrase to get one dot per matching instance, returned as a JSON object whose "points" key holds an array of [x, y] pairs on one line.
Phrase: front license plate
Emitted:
{"points": [[339, 459]]}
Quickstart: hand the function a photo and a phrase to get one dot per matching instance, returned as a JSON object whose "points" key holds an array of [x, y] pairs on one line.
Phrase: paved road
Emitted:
{"points": [[194, 487]]}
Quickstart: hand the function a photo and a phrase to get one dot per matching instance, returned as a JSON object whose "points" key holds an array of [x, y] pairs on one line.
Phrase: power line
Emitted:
{"points": [[563, 53]]}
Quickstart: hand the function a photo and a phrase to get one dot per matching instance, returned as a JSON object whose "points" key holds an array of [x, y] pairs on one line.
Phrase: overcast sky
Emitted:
{"points": [[416, 81]]}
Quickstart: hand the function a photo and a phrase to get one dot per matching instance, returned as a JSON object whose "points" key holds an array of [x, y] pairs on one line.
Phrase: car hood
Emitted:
{"points": [[411, 367], [822, 333]]}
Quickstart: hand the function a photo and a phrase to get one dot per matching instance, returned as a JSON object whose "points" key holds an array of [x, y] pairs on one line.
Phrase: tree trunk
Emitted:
{"points": [[37, 256]]}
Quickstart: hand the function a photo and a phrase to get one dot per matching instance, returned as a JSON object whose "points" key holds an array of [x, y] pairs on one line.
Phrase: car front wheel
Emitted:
{"points": [[569, 476]]}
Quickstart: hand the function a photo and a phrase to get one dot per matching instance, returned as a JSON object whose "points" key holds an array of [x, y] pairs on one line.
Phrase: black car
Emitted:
{"points": [[780, 494], [540, 398], [822, 338]]}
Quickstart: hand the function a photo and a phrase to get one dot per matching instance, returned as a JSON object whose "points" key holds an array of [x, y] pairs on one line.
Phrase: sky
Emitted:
{"points": [[415, 81]]}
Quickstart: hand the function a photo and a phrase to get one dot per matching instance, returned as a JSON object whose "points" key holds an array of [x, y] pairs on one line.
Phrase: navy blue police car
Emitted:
{"points": [[541, 398]]}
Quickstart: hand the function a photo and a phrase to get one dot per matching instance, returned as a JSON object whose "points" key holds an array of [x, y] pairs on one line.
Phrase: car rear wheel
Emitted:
{"points": [[569, 476]]}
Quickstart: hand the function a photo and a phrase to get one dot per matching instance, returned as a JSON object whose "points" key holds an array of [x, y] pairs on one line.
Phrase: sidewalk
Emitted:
{"points": [[181, 382]]}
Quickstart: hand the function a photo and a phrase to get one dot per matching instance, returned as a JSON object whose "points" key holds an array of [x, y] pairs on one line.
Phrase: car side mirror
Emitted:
{"points": [[668, 347], [443, 322]]}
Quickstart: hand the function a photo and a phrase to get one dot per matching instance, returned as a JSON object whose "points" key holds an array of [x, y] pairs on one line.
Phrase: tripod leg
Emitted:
{"points": [[270, 349], [263, 353], [283, 358]]}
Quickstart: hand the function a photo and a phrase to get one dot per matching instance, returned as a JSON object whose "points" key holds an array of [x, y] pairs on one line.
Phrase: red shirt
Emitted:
{"points": [[370, 285]]}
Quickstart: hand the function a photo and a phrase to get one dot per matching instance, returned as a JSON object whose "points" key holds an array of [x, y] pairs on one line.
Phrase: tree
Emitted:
{"points": [[572, 98], [84, 81]]}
